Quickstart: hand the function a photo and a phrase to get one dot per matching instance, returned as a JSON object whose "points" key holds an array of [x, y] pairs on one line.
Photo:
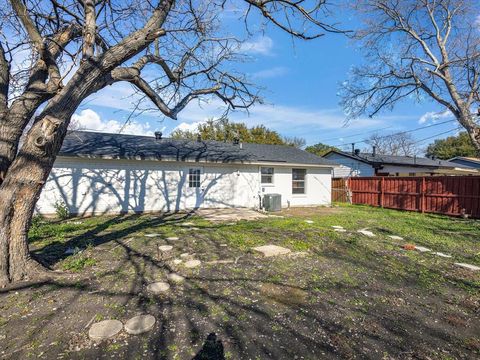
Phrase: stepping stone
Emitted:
{"points": [[337, 227], [422, 249], [187, 224], [215, 262], [442, 255], [340, 230], [309, 221], [192, 263], [366, 233], [194, 228], [158, 287], [272, 250], [140, 324], [105, 329], [395, 237], [152, 235], [177, 261], [184, 255], [175, 278], [165, 248], [223, 245], [173, 238], [468, 266]]}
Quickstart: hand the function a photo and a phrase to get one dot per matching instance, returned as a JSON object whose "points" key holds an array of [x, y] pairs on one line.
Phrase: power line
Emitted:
{"points": [[362, 133], [433, 136], [401, 132]]}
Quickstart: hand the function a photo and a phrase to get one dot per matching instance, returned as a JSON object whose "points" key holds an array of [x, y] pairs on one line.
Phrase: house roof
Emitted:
{"points": [[466, 158], [415, 161], [88, 144]]}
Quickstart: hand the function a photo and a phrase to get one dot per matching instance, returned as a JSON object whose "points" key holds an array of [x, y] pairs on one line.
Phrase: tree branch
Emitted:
{"points": [[29, 26], [89, 31]]}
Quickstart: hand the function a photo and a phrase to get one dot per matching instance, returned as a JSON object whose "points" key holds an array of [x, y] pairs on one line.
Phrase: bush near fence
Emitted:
{"points": [[449, 195]]}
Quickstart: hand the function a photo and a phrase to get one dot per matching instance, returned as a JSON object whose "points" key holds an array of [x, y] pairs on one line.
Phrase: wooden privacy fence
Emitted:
{"points": [[449, 195], [339, 190]]}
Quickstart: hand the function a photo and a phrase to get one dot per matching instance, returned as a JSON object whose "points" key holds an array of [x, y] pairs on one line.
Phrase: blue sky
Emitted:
{"points": [[300, 81]]}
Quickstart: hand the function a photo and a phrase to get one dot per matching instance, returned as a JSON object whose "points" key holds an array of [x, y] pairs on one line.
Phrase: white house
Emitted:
{"points": [[371, 164], [98, 173]]}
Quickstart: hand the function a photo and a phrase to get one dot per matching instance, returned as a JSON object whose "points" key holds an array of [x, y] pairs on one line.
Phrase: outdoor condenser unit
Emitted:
{"points": [[272, 202]]}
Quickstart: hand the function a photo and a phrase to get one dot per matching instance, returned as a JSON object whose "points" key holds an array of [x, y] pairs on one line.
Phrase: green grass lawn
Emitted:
{"points": [[339, 295]]}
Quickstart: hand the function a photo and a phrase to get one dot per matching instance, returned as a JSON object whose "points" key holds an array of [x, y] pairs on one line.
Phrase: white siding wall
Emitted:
{"points": [[349, 167], [318, 187], [94, 186]]}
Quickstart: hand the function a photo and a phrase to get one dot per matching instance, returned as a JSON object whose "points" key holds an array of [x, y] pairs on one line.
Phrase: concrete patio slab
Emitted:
{"points": [[230, 214], [272, 250]]}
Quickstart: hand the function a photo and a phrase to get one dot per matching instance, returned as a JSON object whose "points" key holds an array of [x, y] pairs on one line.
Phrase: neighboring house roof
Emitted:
{"points": [[473, 160], [414, 161], [88, 144]]}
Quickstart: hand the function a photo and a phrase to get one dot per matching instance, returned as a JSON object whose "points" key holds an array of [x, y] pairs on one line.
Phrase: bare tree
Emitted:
{"points": [[423, 49], [402, 144], [55, 53]]}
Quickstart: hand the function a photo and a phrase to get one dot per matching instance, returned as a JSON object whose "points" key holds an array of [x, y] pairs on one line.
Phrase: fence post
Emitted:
{"points": [[422, 195], [381, 191]]}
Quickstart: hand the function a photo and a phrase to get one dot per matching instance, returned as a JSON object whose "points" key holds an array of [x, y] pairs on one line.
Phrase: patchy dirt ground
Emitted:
{"points": [[340, 295]]}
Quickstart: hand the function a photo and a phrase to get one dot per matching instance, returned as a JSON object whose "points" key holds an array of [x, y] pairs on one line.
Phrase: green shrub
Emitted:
{"points": [[61, 210]]}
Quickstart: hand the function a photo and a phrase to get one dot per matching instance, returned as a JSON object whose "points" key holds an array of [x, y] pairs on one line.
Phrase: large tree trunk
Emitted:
{"points": [[465, 118], [24, 180]]}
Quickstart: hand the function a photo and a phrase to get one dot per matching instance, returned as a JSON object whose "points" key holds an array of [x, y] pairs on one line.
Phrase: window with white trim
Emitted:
{"points": [[298, 181], [194, 178], [267, 175]]}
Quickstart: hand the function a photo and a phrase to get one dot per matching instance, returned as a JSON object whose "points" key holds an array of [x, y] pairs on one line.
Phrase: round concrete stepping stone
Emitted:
{"points": [[340, 230], [165, 248], [152, 235], [184, 255], [173, 238], [442, 254], [272, 250], [422, 248], [309, 221], [395, 237], [105, 329], [366, 233], [140, 324], [158, 287], [468, 266], [175, 278], [177, 261], [192, 263], [337, 227]]}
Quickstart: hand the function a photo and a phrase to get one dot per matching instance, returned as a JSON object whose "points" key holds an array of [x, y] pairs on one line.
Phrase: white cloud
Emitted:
{"points": [[433, 117], [276, 71], [184, 126], [261, 46], [90, 120], [312, 124]]}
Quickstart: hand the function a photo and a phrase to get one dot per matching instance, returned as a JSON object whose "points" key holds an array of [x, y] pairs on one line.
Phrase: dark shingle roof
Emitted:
{"points": [[119, 146], [399, 160]]}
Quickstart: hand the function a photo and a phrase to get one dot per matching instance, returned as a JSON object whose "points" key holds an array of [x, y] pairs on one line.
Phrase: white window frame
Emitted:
{"points": [[272, 176], [304, 182], [195, 181]]}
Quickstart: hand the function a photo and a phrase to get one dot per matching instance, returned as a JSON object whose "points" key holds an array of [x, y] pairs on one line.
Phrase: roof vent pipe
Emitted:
{"points": [[158, 135], [374, 151], [357, 152], [353, 148]]}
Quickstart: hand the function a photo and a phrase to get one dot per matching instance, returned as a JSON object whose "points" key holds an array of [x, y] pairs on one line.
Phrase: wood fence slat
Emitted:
{"points": [[449, 195]]}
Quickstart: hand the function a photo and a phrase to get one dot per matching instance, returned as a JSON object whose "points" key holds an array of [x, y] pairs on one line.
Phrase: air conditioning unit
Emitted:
{"points": [[272, 202]]}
